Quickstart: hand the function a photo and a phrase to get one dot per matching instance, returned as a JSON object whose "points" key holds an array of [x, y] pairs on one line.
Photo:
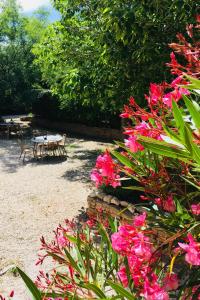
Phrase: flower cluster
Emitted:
{"points": [[131, 242], [106, 171], [192, 251], [190, 52]]}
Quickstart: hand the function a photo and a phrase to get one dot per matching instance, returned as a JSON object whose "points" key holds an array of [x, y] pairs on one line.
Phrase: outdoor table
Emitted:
{"points": [[41, 141], [45, 139]]}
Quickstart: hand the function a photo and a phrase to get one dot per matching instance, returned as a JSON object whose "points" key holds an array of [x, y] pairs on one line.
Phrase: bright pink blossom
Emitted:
{"points": [[142, 128], [139, 221], [171, 282], [195, 208], [123, 276], [119, 243], [155, 93], [192, 251], [132, 143], [106, 171], [175, 95], [62, 240], [96, 177], [153, 291]]}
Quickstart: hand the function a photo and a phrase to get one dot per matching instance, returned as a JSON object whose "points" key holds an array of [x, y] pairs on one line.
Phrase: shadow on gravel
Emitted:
{"points": [[88, 159]]}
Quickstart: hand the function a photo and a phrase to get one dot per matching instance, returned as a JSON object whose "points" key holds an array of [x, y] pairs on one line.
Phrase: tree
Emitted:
{"points": [[18, 75], [101, 52]]}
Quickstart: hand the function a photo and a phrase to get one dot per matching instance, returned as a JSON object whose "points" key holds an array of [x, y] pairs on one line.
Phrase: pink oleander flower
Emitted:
{"points": [[153, 291], [62, 240], [170, 282], [168, 204], [96, 177], [139, 221], [91, 223], [192, 251], [195, 208], [175, 95], [105, 163], [106, 171], [123, 276], [143, 128], [119, 243], [132, 143], [156, 92], [176, 81]]}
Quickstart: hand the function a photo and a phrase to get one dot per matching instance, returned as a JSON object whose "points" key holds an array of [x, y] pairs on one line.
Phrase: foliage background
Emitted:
{"points": [[101, 52], [19, 77], [89, 62]]}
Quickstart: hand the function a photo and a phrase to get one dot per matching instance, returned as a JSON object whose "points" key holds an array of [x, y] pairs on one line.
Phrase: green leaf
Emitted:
{"points": [[196, 152], [178, 117], [95, 289], [124, 160], [165, 149], [171, 134], [188, 138], [134, 188], [30, 285], [72, 262], [191, 183], [195, 83], [121, 291], [193, 111], [105, 235]]}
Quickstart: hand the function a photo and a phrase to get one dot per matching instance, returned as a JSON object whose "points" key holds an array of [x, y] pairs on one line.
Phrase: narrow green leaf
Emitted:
{"points": [[121, 291], [178, 117], [188, 139], [196, 152], [95, 289], [193, 111], [124, 160], [191, 183], [30, 285], [134, 188], [80, 259], [72, 262], [171, 134], [105, 236], [165, 149]]}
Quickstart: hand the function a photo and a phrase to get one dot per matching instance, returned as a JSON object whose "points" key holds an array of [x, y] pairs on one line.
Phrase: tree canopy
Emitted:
{"points": [[19, 77], [101, 52]]}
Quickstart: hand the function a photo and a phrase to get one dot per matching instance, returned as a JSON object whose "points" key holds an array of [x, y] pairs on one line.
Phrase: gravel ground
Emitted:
{"points": [[34, 198]]}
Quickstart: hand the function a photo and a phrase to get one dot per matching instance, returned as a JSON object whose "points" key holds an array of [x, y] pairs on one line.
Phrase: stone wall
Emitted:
{"points": [[123, 211], [80, 129], [110, 205]]}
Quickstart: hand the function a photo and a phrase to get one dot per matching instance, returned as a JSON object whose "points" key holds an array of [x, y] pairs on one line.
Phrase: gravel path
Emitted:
{"points": [[34, 198]]}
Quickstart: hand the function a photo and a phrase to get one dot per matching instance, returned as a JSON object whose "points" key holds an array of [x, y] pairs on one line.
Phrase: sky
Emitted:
{"points": [[29, 6]]}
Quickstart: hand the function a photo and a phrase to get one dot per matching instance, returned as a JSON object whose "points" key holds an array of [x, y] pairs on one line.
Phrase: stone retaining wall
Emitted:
{"points": [[110, 205], [123, 211], [105, 133]]}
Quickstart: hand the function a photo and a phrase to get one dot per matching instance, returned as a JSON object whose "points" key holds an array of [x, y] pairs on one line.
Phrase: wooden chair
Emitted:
{"points": [[51, 147], [62, 145], [26, 149]]}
